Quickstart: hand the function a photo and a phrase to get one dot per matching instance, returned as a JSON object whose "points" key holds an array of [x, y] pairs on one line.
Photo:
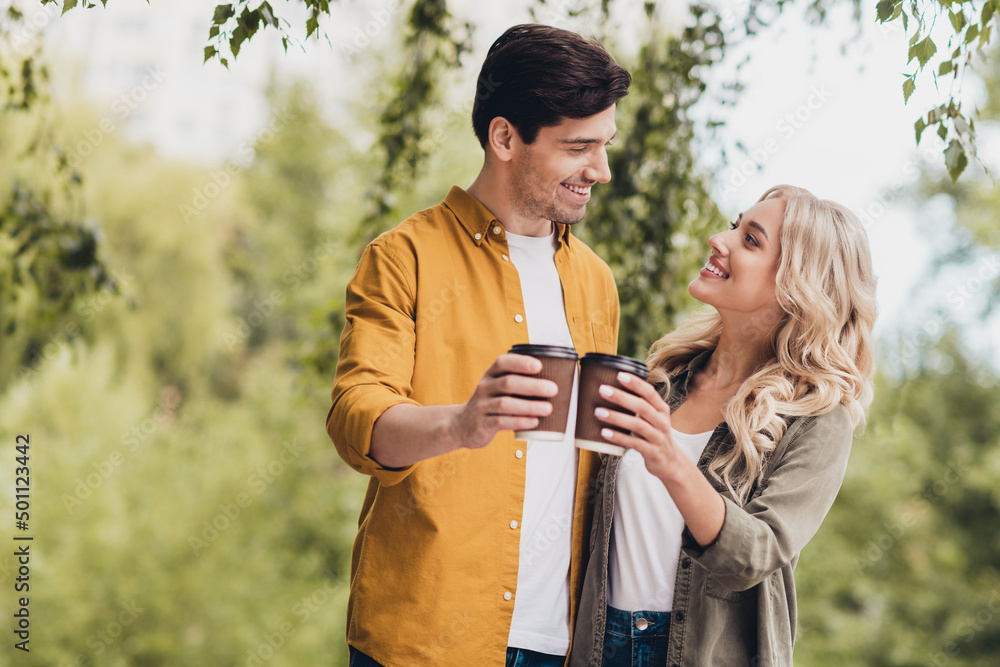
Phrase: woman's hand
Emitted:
{"points": [[649, 426], [699, 503]]}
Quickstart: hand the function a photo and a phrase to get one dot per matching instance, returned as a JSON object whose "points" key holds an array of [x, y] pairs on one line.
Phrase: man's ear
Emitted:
{"points": [[503, 139]]}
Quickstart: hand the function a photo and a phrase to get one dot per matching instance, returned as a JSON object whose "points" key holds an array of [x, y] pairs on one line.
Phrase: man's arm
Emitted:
{"points": [[406, 434], [375, 424]]}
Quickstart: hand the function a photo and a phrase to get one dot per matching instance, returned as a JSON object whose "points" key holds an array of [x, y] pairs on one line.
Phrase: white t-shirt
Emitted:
{"points": [[541, 603], [646, 533]]}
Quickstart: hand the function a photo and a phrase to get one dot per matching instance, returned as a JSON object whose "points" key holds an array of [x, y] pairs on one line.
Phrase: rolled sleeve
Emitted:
{"points": [[766, 534], [376, 358]]}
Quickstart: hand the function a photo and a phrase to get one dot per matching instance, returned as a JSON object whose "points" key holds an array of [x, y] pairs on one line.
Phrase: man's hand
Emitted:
{"points": [[500, 401], [406, 434]]}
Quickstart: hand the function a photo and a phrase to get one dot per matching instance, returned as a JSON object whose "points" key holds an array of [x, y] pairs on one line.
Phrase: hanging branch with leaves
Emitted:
{"points": [[969, 28]]}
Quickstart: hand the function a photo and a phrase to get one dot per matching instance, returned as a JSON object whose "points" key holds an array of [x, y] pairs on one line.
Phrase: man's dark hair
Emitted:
{"points": [[536, 75]]}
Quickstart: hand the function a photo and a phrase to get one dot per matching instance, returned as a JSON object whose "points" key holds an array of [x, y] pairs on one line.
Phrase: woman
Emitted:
{"points": [[745, 446]]}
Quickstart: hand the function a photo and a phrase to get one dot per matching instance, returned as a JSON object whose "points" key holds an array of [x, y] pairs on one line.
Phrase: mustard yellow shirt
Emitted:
{"points": [[432, 304]]}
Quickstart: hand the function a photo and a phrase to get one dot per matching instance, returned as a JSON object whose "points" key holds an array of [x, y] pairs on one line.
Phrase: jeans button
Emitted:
{"points": [[641, 624]]}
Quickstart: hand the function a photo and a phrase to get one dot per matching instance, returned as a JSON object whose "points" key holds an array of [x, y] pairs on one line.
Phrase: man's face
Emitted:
{"points": [[552, 177]]}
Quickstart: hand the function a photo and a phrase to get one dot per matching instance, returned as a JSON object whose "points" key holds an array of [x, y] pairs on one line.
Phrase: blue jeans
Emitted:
{"points": [[636, 639], [522, 657], [516, 657]]}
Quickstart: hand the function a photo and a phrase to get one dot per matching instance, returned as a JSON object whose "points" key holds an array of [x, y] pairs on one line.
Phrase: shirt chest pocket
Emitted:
{"points": [[604, 337], [714, 589]]}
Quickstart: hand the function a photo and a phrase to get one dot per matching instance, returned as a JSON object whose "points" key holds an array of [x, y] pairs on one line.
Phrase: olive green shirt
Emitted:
{"points": [[734, 601]]}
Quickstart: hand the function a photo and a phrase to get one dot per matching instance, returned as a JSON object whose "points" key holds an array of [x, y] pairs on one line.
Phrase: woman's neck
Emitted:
{"points": [[741, 351]]}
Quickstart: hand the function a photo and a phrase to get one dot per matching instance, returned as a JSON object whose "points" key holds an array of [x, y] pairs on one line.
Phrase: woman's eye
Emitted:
{"points": [[734, 224], [751, 240]]}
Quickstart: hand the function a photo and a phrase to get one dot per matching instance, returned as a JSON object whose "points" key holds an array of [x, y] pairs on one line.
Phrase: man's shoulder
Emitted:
{"points": [[415, 230]]}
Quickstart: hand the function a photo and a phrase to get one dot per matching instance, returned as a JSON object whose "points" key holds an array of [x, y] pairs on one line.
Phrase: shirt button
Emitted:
{"points": [[518, 318], [513, 524], [641, 624], [686, 563], [507, 595], [505, 258], [479, 236], [496, 230], [519, 453], [677, 616]]}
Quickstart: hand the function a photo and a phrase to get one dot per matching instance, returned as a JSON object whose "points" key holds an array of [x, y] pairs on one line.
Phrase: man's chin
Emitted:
{"points": [[571, 217]]}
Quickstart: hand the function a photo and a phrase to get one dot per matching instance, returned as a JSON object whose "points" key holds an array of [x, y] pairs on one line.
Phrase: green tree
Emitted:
{"points": [[50, 250], [904, 570]]}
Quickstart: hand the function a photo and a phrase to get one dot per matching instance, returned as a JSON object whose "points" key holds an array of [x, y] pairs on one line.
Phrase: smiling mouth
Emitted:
{"points": [[709, 266], [578, 189]]}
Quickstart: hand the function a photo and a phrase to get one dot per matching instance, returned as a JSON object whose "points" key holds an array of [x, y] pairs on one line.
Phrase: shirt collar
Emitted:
{"points": [[477, 219], [679, 383]]}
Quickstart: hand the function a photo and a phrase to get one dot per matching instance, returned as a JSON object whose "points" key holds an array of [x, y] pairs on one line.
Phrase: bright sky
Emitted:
{"points": [[810, 115]]}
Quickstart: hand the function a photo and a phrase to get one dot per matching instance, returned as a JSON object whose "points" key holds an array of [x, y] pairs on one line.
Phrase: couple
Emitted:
{"points": [[476, 549]]}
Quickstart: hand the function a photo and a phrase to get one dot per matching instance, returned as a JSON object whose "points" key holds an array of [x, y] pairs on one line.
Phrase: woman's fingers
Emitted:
{"points": [[632, 423], [652, 409]]}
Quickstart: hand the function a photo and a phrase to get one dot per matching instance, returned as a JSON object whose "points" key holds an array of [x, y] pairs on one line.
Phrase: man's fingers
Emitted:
{"points": [[521, 385], [520, 364], [507, 423], [511, 406]]}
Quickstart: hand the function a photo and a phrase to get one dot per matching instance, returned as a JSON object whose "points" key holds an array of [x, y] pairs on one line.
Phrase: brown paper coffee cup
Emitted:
{"points": [[597, 369]]}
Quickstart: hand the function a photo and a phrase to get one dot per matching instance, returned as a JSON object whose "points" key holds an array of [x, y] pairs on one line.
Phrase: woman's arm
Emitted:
{"points": [[740, 546], [697, 500]]}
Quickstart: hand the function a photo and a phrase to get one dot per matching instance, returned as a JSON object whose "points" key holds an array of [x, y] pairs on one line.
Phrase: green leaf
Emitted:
{"points": [[213, 31], [238, 37], [942, 131], [908, 87], [906, 22], [988, 10], [884, 10], [223, 13], [961, 125], [984, 36], [68, 5], [267, 13], [919, 128], [311, 26], [957, 21], [971, 33], [209, 52], [924, 50], [945, 68], [955, 159]]}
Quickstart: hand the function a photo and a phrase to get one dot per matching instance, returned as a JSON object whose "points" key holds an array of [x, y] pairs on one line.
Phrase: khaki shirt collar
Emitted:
{"points": [[477, 219]]}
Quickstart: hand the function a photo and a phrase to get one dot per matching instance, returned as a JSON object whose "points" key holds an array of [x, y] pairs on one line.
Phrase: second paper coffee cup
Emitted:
{"points": [[597, 369], [559, 365]]}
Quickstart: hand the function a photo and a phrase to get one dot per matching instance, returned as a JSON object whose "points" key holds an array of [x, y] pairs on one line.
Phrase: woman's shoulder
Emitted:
{"points": [[834, 424]]}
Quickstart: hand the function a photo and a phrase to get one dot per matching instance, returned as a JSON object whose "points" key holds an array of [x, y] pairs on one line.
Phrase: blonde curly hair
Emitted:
{"points": [[821, 347]]}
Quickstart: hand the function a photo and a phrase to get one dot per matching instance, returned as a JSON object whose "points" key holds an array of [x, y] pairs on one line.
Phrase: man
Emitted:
{"points": [[469, 548]]}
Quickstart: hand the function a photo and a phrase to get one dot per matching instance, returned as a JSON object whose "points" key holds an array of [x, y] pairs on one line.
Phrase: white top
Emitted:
{"points": [[541, 602], [646, 533]]}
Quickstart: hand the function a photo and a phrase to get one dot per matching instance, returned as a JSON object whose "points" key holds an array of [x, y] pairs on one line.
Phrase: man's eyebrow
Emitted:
{"points": [[584, 140]]}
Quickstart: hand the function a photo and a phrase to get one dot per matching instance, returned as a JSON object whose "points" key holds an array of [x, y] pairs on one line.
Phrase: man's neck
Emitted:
{"points": [[491, 191]]}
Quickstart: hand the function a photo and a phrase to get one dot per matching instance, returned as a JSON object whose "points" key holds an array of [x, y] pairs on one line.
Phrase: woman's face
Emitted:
{"points": [[740, 273]]}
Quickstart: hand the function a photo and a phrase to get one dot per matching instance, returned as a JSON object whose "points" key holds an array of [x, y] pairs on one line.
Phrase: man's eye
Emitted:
{"points": [[579, 150]]}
